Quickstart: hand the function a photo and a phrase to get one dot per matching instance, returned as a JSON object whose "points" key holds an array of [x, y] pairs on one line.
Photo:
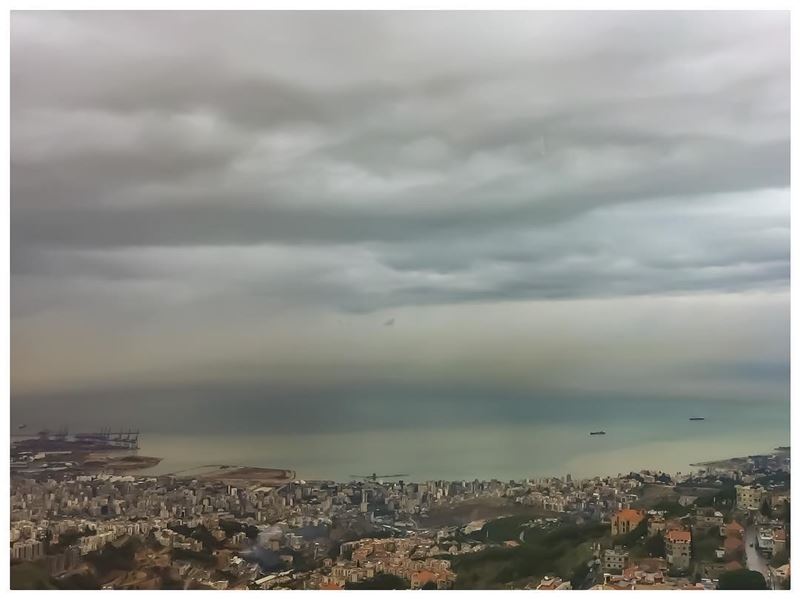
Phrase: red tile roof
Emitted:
{"points": [[630, 515], [331, 586], [679, 536], [424, 576]]}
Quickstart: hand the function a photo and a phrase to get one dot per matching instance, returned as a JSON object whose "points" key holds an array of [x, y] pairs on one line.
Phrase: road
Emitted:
{"points": [[755, 561]]}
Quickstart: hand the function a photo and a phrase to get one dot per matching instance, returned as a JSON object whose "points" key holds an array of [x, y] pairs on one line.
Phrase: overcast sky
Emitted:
{"points": [[541, 201]]}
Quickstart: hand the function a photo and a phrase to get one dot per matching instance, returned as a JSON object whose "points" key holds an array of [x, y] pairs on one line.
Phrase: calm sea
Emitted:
{"points": [[426, 438]]}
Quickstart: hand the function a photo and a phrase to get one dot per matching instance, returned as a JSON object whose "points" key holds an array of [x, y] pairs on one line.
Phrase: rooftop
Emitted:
{"points": [[629, 515], [679, 536]]}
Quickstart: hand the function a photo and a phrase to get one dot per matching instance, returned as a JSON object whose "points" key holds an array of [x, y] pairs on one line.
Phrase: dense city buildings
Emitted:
{"points": [[132, 531]]}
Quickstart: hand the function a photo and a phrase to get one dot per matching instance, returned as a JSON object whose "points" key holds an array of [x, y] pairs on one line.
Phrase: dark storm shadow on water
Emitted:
{"points": [[261, 410]]}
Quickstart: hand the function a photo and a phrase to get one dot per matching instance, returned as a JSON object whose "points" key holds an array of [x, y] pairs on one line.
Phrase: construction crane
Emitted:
{"points": [[374, 477]]}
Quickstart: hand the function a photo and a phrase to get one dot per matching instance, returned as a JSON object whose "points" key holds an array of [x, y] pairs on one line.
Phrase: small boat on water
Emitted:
{"points": [[598, 433], [696, 418]]}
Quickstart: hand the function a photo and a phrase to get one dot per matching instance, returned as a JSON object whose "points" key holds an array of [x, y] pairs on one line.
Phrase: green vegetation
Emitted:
{"points": [[151, 542], [705, 545], [774, 479], [201, 557], [506, 528], [380, 582], [33, 576], [651, 494], [301, 561], [765, 510], [721, 499], [428, 586], [231, 528], [202, 534], [779, 559], [579, 575], [742, 580], [114, 558], [68, 538], [168, 583], [82, 581], [672, 509], [182, 529], [558, 551], [30, 576], [630, 539], [654, 546]]}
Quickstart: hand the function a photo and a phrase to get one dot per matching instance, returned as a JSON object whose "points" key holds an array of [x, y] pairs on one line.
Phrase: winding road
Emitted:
{"points": [[755, 561]]}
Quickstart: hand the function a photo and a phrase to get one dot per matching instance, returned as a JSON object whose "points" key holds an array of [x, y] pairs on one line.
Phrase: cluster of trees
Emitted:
{"points": [[725, 497], [386, 582], [231, 527], [80, 581], [774, 479], [783, 511], [201, 533], [659, 478], [742, 580], [202, 557], [654, 545], [632, 537], [541, 553], [579, 575], [380, 582], [66, 538], [672, 509], [112, 557], [779, 559]]}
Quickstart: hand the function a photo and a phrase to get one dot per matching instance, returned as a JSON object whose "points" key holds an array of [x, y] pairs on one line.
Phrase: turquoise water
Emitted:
{"points": [[435, 438]]}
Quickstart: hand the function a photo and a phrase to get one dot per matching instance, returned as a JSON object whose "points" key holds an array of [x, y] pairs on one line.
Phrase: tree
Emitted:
{"points": [[766, 511], [379, 582], [579, 575], [112, 557], [82, 581], [429, 586], [780, 558], [655, 545], [631, 538], [742, 580]]}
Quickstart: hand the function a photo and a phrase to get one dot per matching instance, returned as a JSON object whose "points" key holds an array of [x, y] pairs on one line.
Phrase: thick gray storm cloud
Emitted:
{"points": [[540, 200]]}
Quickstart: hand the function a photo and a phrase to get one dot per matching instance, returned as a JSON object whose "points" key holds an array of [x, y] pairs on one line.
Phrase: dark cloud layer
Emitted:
{"points": [[222, 176]]}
